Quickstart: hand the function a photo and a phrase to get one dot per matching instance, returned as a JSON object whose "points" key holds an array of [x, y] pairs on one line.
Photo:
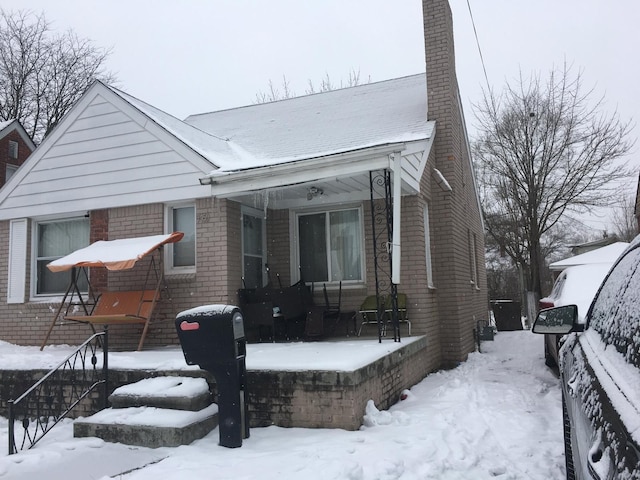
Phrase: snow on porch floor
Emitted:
{"points": [[341, 355]]}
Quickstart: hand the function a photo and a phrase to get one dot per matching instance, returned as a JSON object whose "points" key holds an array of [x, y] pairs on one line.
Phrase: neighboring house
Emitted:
{"points": [[606, 254], [290, 184], [588, 246], [15, 147]]}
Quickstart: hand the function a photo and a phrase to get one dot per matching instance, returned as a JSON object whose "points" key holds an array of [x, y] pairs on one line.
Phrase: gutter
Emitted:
{"points": [[348, 162]]}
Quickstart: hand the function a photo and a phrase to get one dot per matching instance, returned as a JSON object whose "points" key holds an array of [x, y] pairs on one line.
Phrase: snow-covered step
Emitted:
{"points": [[148, 426], [154, 412], [180, 393]]}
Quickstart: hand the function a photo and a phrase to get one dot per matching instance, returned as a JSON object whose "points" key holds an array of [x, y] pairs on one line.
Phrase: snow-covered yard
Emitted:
{"points": [[498, 415]]}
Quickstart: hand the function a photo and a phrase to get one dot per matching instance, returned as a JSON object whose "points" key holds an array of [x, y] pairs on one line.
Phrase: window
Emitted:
{"points": [[13, 149], [330, 245], [427, 246], [473, 259], [614, 313], [253, 248], [11, 169], [53, 240], [181, 256]]}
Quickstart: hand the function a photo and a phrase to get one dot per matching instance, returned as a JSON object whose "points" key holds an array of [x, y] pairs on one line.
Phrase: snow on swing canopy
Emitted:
{"points": [[119, 254]]}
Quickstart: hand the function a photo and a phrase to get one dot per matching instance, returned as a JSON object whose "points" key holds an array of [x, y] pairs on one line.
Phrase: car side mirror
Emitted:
{"points": [[558, 321]]}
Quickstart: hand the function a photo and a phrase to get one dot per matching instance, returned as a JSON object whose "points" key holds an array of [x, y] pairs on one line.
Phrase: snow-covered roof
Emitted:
{"points": [[323, 124], [219, 151], [607, 254], [334, 137]]}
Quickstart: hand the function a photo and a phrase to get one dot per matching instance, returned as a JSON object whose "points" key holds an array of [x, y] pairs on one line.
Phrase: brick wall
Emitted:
{"points": [[455, 215], [216, 280], [310, 399], [24, 151], [99, 230]]}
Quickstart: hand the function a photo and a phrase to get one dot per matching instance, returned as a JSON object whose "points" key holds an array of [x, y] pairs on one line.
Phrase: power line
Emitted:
{"points": [[475, 32]]}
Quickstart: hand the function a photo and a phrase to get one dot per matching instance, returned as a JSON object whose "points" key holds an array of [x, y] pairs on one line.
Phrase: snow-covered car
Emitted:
{"points": [[599, 367], [576, 285]]}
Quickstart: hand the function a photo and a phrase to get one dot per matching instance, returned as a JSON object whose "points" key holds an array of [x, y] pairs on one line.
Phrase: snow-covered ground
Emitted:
{"points": [[498, 415]]}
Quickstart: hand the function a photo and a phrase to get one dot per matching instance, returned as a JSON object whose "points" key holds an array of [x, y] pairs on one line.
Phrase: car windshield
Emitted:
{"points": [[616, 310]]}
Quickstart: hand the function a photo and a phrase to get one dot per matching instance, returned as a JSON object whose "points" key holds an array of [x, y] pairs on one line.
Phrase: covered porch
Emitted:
{"points": [[323, 237]]}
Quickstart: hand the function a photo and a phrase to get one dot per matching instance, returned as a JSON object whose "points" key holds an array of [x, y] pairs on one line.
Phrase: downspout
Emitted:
{"points": [[395, 160]]}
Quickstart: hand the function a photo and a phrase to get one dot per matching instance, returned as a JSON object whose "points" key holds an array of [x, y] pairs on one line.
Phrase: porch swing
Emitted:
{"points": [[128, 307]]}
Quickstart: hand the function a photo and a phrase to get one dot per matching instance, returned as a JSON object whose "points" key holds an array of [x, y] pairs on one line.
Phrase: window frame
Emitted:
{"points": [[473, 258], [257, 214], [10, 171], [33, 288], [427, 247], [295, 242], [169, 268], [13, 149]]}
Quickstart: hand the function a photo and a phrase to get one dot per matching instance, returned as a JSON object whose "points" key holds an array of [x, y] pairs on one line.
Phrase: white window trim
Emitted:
{"points": [[11, 149], [10, 171], [17, 268], [473, 258], [168, 248], [427, 247], [254, 212], [295, 246], [33, 294], [476, 269]]}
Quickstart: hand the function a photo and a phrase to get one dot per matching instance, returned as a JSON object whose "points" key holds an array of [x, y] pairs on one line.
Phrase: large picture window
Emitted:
{"points": [[182, 255], [330, 245], [55, 239]]}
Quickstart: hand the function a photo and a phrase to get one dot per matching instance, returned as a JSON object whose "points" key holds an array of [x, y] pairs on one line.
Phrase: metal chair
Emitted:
{"points": [[402, 311], [369, 311]]}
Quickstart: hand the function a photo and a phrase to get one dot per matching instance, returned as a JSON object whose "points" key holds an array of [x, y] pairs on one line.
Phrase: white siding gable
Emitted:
{"points": [[105, 154]]}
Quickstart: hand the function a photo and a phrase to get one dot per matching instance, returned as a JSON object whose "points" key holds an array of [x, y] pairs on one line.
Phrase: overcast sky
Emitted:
{"points": [[193, 56]]}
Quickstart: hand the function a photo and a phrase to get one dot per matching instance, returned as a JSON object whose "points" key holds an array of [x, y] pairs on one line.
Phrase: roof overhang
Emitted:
{"points": [[337, 177]]}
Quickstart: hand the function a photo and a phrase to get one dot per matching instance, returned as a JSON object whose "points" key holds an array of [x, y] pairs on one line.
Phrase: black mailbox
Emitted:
{"points": [[212, 336]]}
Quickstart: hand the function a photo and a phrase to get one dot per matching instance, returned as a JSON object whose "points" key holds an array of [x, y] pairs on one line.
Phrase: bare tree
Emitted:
{"points": [[274, 93], [42, 74], [623, 220], [544, 150], [284, 91]]}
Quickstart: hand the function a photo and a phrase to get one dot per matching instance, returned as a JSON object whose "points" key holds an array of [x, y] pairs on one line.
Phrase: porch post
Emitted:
{"points": [[384, 250], [395, 160]]}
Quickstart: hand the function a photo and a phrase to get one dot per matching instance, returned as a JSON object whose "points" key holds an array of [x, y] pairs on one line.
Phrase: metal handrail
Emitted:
{"points": [[49, 400]]}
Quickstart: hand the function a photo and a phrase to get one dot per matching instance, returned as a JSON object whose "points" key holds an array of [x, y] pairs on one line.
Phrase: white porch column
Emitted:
{"points": [[395, 160]]}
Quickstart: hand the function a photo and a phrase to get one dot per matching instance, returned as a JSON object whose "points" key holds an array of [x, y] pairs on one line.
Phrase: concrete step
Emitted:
{"points": [[179, 393], [154, 412], [148, 426]]}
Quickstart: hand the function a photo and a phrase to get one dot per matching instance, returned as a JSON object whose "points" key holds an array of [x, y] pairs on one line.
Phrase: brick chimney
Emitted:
{"points": [[457, 228]]}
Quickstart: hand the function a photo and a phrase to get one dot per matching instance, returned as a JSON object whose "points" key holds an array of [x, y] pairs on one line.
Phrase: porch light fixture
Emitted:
{"points": [[314, 192]]}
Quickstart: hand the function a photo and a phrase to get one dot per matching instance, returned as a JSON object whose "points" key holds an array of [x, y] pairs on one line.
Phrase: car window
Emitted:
{"points": [[615, 313], [557, 287]]}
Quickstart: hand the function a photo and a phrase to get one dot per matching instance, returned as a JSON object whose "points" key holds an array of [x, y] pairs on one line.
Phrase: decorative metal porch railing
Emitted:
{"points": [[51, 399], [382, 234]]}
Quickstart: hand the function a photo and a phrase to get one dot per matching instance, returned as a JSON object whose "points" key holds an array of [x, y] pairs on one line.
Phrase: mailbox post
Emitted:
{"points": [[212, 336]]}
